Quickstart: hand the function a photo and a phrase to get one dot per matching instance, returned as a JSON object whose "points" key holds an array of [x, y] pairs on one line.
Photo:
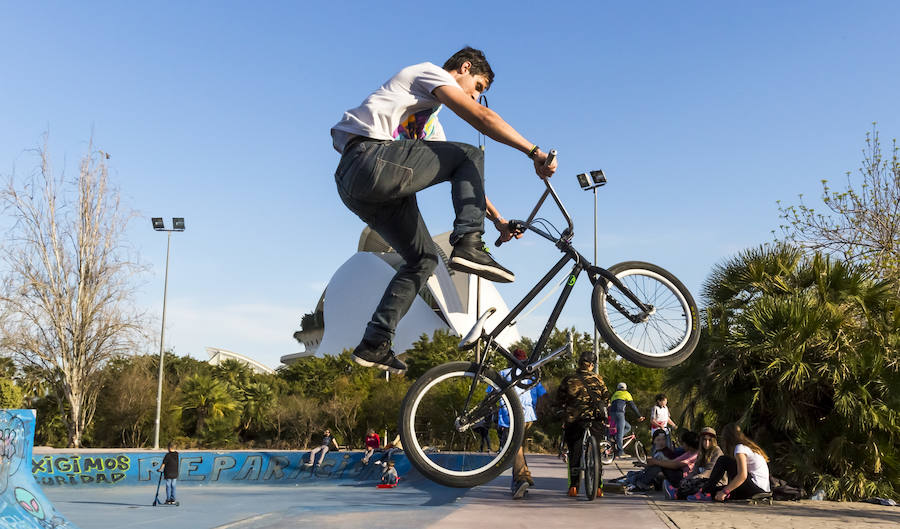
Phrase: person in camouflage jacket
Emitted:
{"points": [[582, 397]]}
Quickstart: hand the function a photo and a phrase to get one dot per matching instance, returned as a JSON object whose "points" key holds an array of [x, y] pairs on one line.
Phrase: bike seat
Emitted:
{"points": [[470, 339]]}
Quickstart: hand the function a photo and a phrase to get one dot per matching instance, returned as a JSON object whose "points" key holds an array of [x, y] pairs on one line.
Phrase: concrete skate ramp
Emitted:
{"points": [[22, 502], [241, 490]]}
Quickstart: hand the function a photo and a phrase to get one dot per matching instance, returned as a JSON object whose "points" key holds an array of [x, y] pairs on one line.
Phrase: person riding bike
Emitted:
{"points": [[392, 146], [620, 399], [582, 397]]}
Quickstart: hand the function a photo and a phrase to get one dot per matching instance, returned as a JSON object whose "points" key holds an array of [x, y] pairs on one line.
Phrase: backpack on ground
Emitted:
{"points": [[783, 491]]}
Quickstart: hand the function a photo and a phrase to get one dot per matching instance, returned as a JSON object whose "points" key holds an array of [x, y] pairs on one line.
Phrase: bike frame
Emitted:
{"points": [[528, 368]]}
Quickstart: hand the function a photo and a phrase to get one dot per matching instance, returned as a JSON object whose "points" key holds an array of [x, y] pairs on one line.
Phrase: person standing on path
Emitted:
{"points": [[169, 468], [582, 398], [521, 477]]}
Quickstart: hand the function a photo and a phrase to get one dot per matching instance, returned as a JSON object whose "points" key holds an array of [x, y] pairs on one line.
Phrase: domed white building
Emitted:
{"points": [[451, 301]]}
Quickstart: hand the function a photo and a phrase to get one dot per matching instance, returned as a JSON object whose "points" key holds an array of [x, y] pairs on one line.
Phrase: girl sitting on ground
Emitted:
{"points": [[706, 459], [745, 464]]}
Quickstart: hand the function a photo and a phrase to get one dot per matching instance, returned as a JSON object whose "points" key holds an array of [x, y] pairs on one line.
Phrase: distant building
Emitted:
{"points": [[217, 356], [450, 301]]}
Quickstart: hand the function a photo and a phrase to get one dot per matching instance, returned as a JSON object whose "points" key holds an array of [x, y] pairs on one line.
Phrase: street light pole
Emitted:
{"points": [[590, 182], [596, 340], [159, 225], [162, 340]]}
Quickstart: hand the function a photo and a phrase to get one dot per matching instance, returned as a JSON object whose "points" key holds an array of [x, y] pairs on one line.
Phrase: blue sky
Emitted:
{"points": [[702, 115]]}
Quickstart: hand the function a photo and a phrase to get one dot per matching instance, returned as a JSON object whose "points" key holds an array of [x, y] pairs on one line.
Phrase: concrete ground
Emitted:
{"points": [[419, 503]]}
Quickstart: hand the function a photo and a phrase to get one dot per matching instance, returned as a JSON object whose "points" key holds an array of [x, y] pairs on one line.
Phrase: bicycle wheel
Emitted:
{"points": [[589, 461], [639, 451], [435, 446], [607, 452], [664, 337]]}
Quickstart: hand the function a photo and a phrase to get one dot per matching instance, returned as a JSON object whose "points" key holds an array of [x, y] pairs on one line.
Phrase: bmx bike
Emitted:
{"points": [[644, 313]]}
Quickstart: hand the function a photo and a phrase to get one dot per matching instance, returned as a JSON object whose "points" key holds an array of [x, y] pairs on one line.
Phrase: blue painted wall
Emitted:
{"points": [[22, 502], [82, 469]]}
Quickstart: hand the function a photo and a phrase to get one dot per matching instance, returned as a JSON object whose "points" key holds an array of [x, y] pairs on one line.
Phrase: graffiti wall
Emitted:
{"points": [[22, 503], [199, 468]]}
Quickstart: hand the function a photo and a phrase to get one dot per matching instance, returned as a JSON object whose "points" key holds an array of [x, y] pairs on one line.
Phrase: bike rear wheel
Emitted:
{"points": [[639, 451], [664, 337], [434, 442], [590, 460], [607, 452]]}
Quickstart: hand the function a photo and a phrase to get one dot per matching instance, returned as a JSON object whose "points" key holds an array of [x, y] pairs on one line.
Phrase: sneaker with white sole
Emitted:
{"points": [[520, 489], [377, 355], [471, 255]]}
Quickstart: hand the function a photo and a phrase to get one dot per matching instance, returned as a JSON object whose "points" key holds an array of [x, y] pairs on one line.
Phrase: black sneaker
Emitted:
{"points": [[471, 255], [519, 490], [379, 356]]}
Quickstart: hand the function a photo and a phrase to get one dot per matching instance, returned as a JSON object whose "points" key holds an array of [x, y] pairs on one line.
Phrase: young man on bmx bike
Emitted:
{"points": [[393, 146]]}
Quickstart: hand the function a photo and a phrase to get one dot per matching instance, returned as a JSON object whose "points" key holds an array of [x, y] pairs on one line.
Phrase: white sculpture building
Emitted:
{"points": [[451, 301], [217, 356]]}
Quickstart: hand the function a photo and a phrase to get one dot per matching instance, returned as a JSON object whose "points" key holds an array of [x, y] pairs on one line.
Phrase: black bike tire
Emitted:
{"points": [[589, 459], [623, 349], [607, 453], [419, 459], [639, 453]]}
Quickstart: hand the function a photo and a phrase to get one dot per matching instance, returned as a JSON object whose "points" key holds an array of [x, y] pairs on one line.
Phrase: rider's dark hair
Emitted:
{"points": [[691, 439], [660, 397], [480, 65]]}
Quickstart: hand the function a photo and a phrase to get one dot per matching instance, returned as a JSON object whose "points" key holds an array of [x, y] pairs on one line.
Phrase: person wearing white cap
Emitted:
{"points": [[620, 399]]}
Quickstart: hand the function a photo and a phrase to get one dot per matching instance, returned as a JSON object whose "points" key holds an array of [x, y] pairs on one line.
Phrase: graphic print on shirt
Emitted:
{"points": [[418, 126]]}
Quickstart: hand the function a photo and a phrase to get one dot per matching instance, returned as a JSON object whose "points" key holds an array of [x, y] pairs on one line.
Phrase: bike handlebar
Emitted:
{"points": [[517, 225]]}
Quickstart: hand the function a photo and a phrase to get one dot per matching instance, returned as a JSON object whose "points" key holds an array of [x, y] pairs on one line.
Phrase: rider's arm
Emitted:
{"points": [[490, 124], [635, 408], [500, 223]]}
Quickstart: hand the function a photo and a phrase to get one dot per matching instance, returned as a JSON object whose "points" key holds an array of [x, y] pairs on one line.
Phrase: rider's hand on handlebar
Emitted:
{"points": [[507, 230], [542, 170]]}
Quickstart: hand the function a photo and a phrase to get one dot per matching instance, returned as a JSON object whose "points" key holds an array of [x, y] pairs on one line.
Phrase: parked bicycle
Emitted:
{"points": [[608, 448], [644, 313]]}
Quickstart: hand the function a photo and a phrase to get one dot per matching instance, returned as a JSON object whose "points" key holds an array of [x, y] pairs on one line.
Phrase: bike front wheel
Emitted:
{"points": [[661, 337], [607, 452], [438, 444], [590, 461], [639, 451]]}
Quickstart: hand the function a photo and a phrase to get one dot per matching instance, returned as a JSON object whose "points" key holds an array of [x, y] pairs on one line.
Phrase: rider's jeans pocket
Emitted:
{"points": [[389, 179]]}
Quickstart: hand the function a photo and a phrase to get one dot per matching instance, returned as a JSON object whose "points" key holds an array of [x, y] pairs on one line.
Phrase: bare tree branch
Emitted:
{"points": [[66, 300]]}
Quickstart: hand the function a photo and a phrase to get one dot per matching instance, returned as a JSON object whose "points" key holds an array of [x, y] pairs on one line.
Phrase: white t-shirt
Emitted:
{"points": [[659, 418], [757, 468], [403, 108]]}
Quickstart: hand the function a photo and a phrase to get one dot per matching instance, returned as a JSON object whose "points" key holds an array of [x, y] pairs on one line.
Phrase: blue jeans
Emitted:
{"points": [[622, 427], [378, 181], [170, 489]]}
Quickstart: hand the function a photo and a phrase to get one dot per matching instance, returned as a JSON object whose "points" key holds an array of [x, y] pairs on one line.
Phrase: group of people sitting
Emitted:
{"points": [[702, 470], [372, 443]]}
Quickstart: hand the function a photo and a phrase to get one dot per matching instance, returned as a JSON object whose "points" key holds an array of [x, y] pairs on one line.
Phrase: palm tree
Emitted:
{"points": [[257, 398], [802, 351], [207, 397]]}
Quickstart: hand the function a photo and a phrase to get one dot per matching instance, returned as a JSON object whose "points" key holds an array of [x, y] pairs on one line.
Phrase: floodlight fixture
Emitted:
{"points": [[158, 224], [178, 222], [583, 181], [598, 177]]}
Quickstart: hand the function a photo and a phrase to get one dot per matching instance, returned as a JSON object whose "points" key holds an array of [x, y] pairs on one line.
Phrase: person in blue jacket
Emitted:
{"points": [[620, 399]]}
